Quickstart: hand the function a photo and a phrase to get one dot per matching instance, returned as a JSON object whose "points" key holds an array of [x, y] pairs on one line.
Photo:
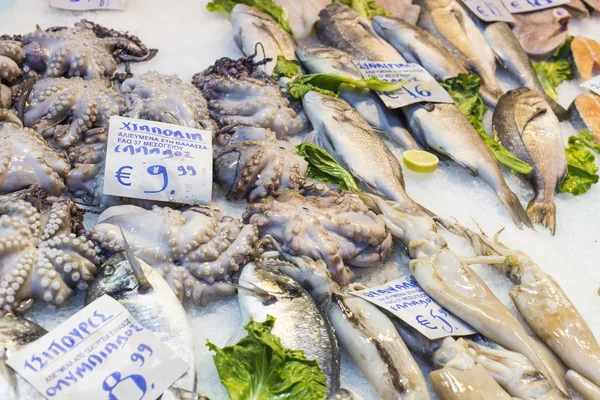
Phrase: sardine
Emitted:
{"points": [[343, 28], [513, 57], [344, 134], [585, 113], [419, 46], [299, 323], [448, 21], [526, 126], [322, 59], [444, 128], [15, 333], [156, 309], [365, 332], [251, 27]]}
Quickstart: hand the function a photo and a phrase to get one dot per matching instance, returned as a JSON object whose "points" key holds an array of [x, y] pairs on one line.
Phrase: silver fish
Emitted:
{"points": [[418, 46], [344, 134], [345, 29], [448, 21], [526, 126], [365, 332], [157, 308], [15, 333], [299, 323], [513, 57], [322, 59], [445, 129], [251, 27]]}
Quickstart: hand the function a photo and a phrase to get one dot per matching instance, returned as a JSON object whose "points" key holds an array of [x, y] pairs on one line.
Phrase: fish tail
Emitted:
{"points": [[543, 212], [558, 110], [516, 210]]}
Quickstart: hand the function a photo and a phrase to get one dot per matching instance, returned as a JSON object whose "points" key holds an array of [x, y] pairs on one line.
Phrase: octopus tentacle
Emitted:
{"points": [[11, 55]]}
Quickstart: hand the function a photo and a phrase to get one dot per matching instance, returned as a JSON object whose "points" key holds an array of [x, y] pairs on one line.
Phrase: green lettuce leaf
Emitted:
{"points": [[464, 90], [556, 70], [278, 13], [331, 83], [366, 8], [582, 171], [258, 367], [285, 67], [322, 167]]}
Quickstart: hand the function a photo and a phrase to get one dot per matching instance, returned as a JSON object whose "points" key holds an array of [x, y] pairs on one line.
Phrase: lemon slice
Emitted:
{"points": [[420, 161]]}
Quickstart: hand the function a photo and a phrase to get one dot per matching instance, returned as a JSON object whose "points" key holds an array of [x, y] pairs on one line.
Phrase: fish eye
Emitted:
{"points": [[108, 270]]}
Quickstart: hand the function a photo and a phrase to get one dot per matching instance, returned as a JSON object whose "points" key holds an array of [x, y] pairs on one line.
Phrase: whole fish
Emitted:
{"points": [[251, 27], [419, 46], [513, 57], [302, 15], [526, 126], [344, 134], [448, 21], [15, 333], [345, 29], [444, 128], [365, 332], [299, 323], [152, 302], [323, 59]]}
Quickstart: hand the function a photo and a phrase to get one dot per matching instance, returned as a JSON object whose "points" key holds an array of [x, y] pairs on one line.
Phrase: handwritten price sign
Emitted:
{"points": [[419, 85], [593, 84], [100, 353], [157, 161], [489, 10], [82, 5], [405, 299], [520, 6]]}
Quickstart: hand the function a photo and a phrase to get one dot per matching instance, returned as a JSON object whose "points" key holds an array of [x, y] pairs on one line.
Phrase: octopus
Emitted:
{"points": [[88, 50], [44, 253], [165, 98], [196, 249], [26, 159], [254, 164], [68, 111], [86, 178], [240, 94], [11, 56], [338, 228]]}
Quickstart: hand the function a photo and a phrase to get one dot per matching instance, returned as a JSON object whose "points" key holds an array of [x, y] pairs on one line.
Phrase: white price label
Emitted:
{"points": [[100, 353], [157, 161], [489, 10], [593, 84], [83, 5], [420, 86], [521, 6], [405, 299]]}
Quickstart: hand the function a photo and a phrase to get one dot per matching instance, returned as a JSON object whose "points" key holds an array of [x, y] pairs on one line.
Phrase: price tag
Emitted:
{"points": [[420, 86], [100, 353], [520, 6], [157, 161], [83, 5], [489, 10], [405, 299], [593, 84]]}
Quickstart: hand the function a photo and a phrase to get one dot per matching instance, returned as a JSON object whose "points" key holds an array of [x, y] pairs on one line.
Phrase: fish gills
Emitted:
{"points": [[585, 113], [526, 126]]}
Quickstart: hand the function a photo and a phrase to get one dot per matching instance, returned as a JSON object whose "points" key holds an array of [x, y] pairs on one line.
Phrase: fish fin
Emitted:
{"points": [[500, 61], [516, 210], [559, 111], [143, 285], [312, 137], [543, 212]]}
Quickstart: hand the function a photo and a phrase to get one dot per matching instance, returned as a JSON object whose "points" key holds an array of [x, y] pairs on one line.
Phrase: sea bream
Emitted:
{"points": [[264, 290], [526, 126], [251, 27], [15, 333], [323, 59], [448, 21], [345, 29], [514, 58], [149, 298], [344, 134]]}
